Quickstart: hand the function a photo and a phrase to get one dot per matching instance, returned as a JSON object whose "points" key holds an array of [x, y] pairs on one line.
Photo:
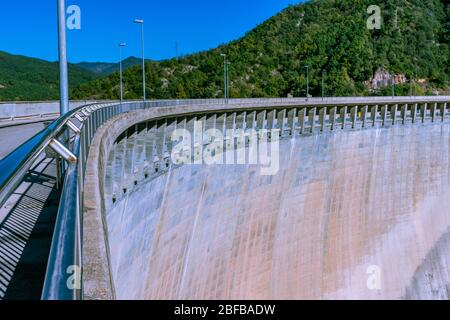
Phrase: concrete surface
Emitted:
{"points": [[341, 203], [26, 228], [13, 137]]}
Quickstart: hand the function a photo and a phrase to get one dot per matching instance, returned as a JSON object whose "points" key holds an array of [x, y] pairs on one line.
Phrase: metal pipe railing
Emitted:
{"points": [[63, 276]]}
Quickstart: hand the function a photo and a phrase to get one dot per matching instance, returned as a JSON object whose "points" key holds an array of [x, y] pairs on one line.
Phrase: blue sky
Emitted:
{"points": [[28, 27]]}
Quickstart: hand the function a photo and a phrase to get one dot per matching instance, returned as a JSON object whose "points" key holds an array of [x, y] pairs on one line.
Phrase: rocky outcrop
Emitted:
{"points": [[383, 78]]}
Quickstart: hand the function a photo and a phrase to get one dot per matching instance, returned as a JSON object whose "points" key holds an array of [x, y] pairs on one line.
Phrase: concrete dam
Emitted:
{"points": [[359, 207]]}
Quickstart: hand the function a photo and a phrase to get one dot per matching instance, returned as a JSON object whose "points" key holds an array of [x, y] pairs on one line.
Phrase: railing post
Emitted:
{"points": [[354, 115], [343, 116], [333, 112], [423, 111], [443, 110], [261, 119], [301, 120], [312, 119], [281, 121], [413, 112], [433, 111], [364, 115], [322, 115], [404, 110], [291, 120], [384, 114], [374, 114], [394, 113]]}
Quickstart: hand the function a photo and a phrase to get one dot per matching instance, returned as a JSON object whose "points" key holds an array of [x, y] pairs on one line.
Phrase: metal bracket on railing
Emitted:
{"points": [[73, 127], [79, 118], [60, 149]]}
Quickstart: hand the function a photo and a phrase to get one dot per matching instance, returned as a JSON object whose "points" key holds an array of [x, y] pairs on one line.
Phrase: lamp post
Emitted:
{"points": [[121, 45], [141, 22], [415, 74], [62, 46], [307, 81], [228, 81], [225, 77], [323, 91]]}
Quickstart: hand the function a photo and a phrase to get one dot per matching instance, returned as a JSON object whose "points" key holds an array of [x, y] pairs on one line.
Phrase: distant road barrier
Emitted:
{"points": [[10, 111]]}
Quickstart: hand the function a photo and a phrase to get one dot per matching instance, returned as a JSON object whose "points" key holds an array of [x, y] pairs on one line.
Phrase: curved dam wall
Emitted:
{"points": [[357, 214]]}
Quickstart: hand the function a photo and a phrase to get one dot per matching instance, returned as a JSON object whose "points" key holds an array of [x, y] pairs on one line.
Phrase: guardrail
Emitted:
{"points": [[69, 138]]}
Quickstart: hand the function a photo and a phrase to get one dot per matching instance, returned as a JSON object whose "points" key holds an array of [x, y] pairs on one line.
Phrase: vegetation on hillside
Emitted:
{"points": [[27, 79], [330, 36], [105, 68]]}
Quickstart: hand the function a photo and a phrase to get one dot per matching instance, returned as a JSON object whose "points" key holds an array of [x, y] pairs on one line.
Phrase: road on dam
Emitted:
{"points": [[13, 136]]}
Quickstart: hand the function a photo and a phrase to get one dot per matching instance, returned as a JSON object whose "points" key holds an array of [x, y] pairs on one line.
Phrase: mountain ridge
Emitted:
{"points": [[107, 68], [30, 79]]}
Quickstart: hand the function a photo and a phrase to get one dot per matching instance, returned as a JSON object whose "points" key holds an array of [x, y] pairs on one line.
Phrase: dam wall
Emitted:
{"points": [[340, 204], [358, 212]]}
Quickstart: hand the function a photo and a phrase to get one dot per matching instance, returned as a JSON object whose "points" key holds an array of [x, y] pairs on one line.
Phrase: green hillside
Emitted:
{"points": [[105, 69], [328, 35], [26, 79]]}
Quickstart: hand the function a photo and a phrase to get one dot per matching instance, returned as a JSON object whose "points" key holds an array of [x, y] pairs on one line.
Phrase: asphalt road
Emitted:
{"points": [[12, 137]]}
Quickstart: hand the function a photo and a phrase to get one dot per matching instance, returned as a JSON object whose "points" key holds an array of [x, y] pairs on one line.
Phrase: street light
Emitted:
{"points": [[63, 73], [225, 76], [307, 81], [121, 45], [228, 82], [141, 22], [323, 91]]}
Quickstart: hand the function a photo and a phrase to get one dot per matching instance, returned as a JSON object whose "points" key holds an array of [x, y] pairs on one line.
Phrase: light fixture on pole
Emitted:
{"points": [[141, 22], [121, 45], [62, 46]]}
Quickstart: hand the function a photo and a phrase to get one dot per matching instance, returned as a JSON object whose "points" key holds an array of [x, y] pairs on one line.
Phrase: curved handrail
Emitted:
{"points": [[15, 165], [66, 262]]}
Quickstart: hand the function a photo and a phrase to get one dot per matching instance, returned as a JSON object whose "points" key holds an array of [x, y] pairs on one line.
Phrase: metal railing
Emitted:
{"points": [[70, 137]]}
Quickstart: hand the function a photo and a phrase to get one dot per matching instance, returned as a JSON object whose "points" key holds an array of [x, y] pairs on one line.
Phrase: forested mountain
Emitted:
{"points": [[26, 79], [330, 36], [105, 68]]}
